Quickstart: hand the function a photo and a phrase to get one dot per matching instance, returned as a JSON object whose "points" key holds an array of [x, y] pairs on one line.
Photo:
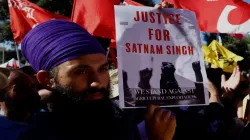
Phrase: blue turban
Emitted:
{"points": [[54, 42]]}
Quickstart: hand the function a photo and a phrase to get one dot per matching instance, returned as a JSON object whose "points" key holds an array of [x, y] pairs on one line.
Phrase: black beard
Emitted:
{"points": [[79, 97], [94, 116], [65, 100]]}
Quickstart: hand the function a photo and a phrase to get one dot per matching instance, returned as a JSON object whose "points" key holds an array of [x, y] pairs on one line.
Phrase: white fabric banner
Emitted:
{"points": [[160, 58]]}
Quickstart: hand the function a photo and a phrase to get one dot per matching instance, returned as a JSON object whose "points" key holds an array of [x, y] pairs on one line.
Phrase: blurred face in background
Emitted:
{"points": [[244, 85], [32, 74], [21, 96]]}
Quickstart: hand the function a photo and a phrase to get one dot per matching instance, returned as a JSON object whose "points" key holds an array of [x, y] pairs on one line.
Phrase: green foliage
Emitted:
{"points": [[247, 39], [228, 39], [63, 7], [4, 11], [5, 32], [111, 65], [239, 47], [209, 38]]}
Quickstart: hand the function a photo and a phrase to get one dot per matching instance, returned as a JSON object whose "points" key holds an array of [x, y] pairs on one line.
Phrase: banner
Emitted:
{"points": [[24, 15], [160, 58], [224, 16]]}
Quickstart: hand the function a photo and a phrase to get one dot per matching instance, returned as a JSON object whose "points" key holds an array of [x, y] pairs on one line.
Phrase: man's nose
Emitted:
{"points": [[95, 81]]}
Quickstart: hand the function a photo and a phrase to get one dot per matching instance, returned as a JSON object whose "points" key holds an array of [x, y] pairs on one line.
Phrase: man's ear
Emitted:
{"points": [[44, 78]]}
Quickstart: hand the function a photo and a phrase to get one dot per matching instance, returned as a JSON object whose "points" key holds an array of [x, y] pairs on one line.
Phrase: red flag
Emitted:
{"points": [[169, 1], [238, 36], [224, 16], [96, 16], [25, 15]]}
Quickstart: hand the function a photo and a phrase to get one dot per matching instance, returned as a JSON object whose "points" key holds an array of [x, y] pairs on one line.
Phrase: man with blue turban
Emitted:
{"points": [[73, 65]]}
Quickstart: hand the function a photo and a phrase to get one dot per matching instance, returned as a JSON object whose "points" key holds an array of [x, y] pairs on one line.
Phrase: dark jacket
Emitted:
{"points": [[55, 126]]}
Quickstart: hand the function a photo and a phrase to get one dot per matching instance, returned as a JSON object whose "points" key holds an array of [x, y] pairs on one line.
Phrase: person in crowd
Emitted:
{"points": [[46, 104], [43, 93], [19, 102], [237, 110], [208, 122], [4, 74], [32, 74], [73, 65]]}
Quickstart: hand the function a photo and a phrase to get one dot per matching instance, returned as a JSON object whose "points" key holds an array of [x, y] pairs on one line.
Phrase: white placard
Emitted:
{"points": [[160, 58]]}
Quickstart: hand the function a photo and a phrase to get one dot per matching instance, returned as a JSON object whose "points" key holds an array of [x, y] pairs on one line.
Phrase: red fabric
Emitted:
{"points": [[15, 64], [96, 16], [238, 36], [24, 15], [113, 43], [8, 65], [169, 1], [208, 13]]}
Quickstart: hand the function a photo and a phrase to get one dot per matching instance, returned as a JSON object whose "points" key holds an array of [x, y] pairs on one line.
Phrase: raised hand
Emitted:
{"points": [[231, 84], [196, 66], [125, 75], [197, 70], [214, 94], [160, 124], [162, 5], [125, 83], [167, 68], [145, 76]]}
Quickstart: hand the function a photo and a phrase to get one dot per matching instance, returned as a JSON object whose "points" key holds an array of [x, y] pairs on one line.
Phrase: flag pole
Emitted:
{"points": [[17, 54]]}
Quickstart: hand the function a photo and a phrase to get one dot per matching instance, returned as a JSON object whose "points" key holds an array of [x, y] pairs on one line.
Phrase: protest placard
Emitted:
{"points": [[159, 57]]}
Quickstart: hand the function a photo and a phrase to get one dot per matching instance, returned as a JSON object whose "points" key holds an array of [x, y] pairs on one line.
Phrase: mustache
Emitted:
{"points": [[91, 91], [67, 94]]}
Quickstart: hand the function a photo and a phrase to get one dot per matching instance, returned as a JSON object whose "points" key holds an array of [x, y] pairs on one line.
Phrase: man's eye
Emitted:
{"points": [[103, 69], [81, 72]]}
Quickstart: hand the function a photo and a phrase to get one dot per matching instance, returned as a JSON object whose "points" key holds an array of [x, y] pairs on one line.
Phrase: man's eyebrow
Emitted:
{"points": [[105, 64], [87, 66], [78, 67]]}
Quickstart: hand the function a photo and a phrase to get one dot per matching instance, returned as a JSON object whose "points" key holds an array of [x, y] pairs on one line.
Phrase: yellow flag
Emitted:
{"points": [[224, 58], [210, 56]]}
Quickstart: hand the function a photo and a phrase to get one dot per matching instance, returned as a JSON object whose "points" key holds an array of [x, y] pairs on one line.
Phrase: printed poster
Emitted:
{"points": [[159, 57]]}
